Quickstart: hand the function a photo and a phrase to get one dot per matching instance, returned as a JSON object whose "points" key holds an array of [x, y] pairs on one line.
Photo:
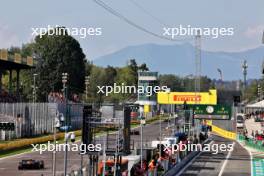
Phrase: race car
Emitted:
{"points": [[31, 164]]}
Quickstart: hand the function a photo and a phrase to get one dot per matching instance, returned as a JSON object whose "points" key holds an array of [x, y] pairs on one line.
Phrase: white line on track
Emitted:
{"points": [[226, 160], [251, 157], [191, 162]]}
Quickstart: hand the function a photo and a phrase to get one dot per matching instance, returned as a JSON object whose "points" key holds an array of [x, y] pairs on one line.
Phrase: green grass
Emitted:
{"points": [[27, 149]]}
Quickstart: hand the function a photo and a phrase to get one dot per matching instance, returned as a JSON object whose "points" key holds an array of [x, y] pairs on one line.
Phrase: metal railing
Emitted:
{"points": [[33, 119]]}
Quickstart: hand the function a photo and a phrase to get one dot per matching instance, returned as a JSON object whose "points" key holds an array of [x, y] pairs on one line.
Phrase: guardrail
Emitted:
{"points": [[222, 132]]}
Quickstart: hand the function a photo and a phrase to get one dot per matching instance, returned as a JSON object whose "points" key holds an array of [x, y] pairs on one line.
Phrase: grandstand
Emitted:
{"points": [[9, 63]]}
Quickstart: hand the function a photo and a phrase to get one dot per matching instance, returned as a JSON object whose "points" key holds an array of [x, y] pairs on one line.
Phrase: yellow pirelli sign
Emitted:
{"points": [[209, 98]]}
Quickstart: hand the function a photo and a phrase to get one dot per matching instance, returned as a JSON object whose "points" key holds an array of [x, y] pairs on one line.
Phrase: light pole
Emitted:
{"points": [[68, 136], [58, 118], [169, 106], [142, 122], [86, 82], [116, 169], [104, 155], [64, 81], [220, 73], [244, 68], [262, 62], [34, 100]]}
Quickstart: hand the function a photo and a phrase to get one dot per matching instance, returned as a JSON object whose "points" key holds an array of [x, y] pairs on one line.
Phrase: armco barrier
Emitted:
{"points": [[223, 133]]}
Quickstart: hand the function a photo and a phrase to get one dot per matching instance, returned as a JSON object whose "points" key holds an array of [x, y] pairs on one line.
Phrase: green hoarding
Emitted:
{"points": [[214, 112]]}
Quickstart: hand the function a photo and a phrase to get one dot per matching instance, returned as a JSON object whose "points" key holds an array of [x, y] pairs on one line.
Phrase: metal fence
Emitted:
{"points": [[75, 113], [32, 119]]}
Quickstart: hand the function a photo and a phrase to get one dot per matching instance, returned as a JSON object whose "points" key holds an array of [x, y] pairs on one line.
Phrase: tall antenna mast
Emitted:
{"points": [[198, 62], [244, 68]]}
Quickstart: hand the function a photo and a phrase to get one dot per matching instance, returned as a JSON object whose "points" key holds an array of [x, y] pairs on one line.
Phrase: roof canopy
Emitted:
{"points": [[259, 104], [15, 61]]}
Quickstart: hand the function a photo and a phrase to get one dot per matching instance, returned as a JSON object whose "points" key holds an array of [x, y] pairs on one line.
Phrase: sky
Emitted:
{"points": [[246, 17]]}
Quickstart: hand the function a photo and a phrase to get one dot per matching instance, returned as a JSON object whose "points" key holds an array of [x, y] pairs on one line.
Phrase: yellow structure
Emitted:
{"points": [[3, 54], [221, 132], [147, 108], [16, 58], [209, 98], [209, 122]]}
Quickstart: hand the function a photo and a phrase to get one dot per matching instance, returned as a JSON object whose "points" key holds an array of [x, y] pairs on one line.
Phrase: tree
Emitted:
{"points": [[251, 91], [59, 54], [143, 67], [110, 74], [134, 68], [206, 83], [171, 81], [97, 78]]}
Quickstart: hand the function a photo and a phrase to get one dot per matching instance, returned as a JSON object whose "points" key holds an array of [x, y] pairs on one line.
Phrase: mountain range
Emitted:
{"points": [[179, 59]]}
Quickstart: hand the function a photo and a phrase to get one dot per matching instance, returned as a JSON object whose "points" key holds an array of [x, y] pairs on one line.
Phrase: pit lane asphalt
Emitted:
{"points": [[237, 163]]}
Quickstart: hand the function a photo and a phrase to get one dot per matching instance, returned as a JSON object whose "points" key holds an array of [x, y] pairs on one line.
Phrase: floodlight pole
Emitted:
{"points": [[64, 81], [54, 140]]}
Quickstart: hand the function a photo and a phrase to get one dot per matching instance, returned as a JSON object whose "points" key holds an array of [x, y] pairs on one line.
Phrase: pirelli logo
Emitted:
{"points": [[201, 98], [190, 98]]}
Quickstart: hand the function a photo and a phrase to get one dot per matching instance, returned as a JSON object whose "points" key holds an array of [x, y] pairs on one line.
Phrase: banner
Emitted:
{"points": [[223, 133], [30, 61], [209, 98], [3, 54], [17, 58]]}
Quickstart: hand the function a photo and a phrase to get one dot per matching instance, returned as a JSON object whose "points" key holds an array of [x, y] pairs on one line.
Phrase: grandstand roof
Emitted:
{"points": [[15, 61], [9, 65]]}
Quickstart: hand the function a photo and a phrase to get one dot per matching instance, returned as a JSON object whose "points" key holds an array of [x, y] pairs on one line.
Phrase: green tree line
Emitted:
{"points": [[58, 54]]}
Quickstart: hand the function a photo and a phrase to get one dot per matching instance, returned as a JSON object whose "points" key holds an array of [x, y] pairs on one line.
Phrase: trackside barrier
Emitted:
{"points": [[222, 132], [209, 122], [255, 144]]}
